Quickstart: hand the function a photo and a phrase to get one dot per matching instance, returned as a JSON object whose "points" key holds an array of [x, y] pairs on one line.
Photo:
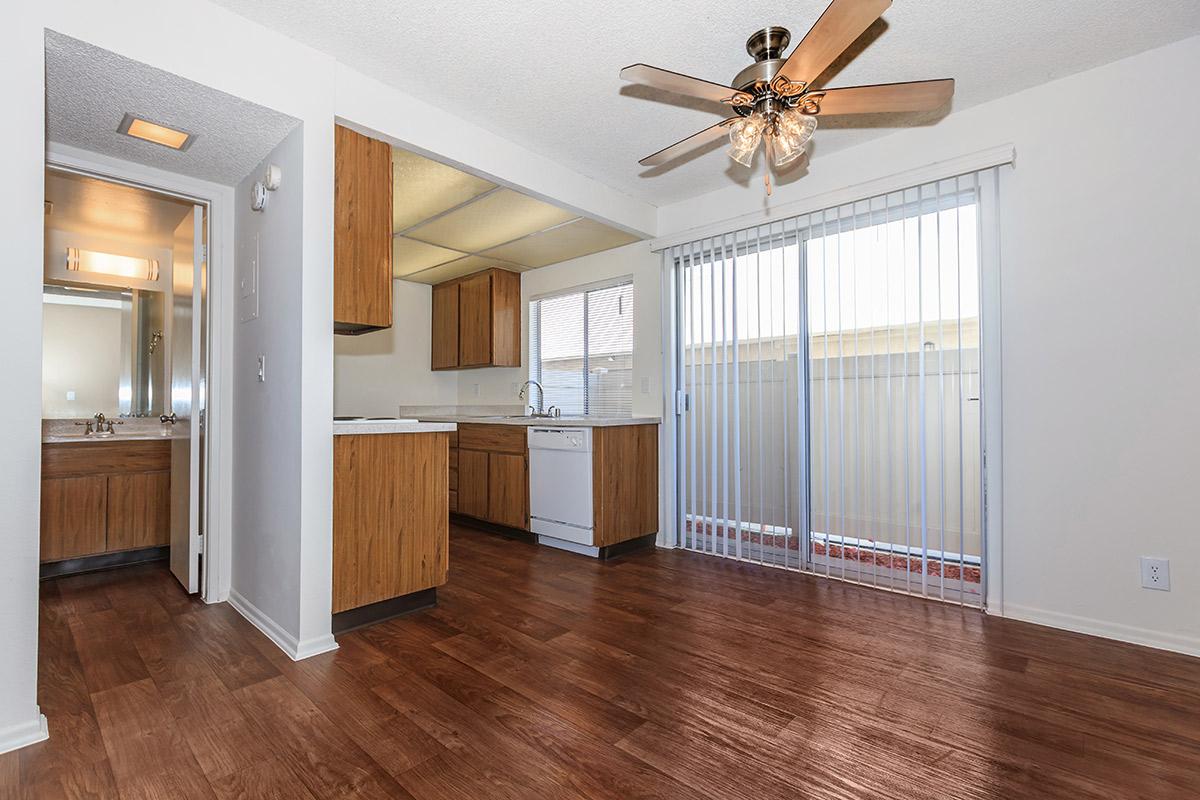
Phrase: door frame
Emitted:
{"points": [[216, 504]]}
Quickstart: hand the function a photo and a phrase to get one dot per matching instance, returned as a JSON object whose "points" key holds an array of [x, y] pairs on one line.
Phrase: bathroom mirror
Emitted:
{"points": [[103, 351]]}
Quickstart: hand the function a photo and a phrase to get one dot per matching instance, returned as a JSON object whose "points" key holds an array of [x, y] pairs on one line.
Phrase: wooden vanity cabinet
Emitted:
{"points": [[362, 233], [104, 497], [493, 474], [477, 321]]}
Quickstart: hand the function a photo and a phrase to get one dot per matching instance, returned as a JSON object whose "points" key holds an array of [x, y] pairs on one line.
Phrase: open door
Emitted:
{"points": [[187, 337]]}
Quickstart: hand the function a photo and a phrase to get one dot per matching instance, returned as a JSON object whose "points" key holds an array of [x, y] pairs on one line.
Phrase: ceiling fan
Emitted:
{"points": [[774, 100]]}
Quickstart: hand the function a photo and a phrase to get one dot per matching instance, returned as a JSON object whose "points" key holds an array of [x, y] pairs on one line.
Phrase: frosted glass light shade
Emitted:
{"points": [[744, 136], [792, 132]]}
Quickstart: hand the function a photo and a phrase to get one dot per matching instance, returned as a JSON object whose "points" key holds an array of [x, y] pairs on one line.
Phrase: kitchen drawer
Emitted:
{"points": [[493, 438], [453, 500]]}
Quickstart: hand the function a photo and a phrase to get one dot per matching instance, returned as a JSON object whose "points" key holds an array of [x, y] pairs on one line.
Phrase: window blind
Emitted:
{"points": [[581, 350]]}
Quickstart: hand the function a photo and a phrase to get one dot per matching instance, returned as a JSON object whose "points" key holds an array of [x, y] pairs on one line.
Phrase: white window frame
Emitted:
{"points": [[581, 288]]}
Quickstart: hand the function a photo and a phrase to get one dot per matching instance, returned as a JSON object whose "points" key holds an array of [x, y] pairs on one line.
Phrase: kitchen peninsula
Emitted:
{"points": [[390, 528]]}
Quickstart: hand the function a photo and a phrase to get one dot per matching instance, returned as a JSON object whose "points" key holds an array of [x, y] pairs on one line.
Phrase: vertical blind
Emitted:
{"points": [[581, 350], [830, 371]]}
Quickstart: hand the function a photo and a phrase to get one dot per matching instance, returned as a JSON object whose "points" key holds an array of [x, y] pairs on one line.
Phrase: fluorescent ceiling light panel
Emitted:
{"points": [[409, 255], [579, 238], [425, 188], [148, 131], [491, 220], [456, 269]]}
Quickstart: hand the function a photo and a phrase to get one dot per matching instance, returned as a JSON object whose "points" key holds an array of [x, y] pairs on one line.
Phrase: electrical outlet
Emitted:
{"points": [[1156, 573]]}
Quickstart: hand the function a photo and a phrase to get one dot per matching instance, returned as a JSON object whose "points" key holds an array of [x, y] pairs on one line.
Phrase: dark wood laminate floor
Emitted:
{"points": [[547, 675]]}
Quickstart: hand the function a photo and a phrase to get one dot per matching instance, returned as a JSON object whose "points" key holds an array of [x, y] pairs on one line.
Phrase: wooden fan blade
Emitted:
{"points": [[678, 83], [690, 143], [842, 23], [887, 97]]}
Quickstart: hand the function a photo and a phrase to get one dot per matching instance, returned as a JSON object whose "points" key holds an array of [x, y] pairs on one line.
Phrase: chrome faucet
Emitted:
{"points": [[541, 396]]}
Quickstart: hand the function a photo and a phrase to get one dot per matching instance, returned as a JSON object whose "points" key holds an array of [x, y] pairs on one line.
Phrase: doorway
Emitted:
{"points": [[830, 408], [125, 365]]}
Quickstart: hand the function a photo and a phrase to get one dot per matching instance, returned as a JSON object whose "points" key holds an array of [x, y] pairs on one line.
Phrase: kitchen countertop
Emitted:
{"points": [[376, 426], [549, 422]]}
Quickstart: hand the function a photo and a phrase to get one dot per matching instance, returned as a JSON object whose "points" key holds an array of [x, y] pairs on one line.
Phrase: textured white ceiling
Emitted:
{"points": [[543, 73], [88, 90]]}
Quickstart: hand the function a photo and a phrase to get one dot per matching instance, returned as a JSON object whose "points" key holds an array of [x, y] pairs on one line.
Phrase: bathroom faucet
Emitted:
{"points": [[541, 395]]}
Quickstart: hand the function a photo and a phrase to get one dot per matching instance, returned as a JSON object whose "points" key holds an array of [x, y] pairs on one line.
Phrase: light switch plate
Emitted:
{"points": [[1156, 573], [262, 368]]}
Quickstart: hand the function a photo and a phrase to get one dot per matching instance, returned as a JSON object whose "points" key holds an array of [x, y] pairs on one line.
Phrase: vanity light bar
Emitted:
{"points": [[145, 269]]}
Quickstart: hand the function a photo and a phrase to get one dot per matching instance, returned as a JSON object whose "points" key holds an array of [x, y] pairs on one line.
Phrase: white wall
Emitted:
{"points": [[21, 164], [375, 372], [267, 485], [1100, 320]]}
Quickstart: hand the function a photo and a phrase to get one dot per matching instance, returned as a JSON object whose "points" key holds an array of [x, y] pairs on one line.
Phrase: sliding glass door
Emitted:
{"points": [[828, 369]]}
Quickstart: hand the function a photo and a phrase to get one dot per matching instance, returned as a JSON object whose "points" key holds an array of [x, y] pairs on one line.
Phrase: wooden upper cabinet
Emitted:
{"points": [[444, 351], [477, 321], [362, 233]]}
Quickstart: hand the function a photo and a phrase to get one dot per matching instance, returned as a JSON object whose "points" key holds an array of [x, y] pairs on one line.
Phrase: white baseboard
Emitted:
{"points": [[296, 650], [1160, 640], [25, 733]]}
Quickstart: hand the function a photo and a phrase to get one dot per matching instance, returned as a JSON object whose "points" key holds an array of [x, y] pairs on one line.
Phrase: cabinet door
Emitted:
{"points": [[508, 490], [506, 319], [139, 510], [73, 517], [362, 232], [444, 347], [475, 321], [473, 483]]}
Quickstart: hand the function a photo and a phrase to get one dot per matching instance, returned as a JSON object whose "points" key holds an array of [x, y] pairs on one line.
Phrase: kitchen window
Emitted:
{"points": [[581, 349]]}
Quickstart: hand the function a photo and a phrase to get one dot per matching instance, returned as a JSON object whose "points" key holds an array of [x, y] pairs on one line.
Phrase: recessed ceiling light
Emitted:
{"points": [[152, 132]]}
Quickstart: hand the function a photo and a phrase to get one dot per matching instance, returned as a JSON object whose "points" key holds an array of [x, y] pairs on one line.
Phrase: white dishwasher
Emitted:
{"points": [[560, 488]]}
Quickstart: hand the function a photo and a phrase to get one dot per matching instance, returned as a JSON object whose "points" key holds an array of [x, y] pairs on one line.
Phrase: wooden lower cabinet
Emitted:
{"points": [[493, 474], [104, 497], [493, 478], [473, 483], [390, 530], [508, 490], [74, 517], [139, 510]]}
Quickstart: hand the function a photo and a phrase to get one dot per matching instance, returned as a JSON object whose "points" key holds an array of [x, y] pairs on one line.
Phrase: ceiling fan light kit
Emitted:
{"points": [[774, 99]]}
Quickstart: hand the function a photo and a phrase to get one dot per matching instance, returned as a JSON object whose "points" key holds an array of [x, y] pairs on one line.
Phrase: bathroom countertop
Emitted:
{"points": [[65, 431]]}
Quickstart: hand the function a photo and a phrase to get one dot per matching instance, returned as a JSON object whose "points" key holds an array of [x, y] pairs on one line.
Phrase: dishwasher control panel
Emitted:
{"points": [[578, 439]]}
